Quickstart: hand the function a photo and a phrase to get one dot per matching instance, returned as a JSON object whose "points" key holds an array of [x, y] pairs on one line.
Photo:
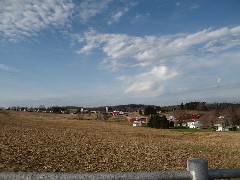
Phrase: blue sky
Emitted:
{"points": [[110, 52]]}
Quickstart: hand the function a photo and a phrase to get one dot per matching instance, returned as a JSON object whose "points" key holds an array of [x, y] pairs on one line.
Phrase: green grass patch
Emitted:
{"points": [[190, 130], [121, 122]]}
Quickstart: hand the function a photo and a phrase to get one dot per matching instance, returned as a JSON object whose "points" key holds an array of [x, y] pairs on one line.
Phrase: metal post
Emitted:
{"points": [[198, 168]]}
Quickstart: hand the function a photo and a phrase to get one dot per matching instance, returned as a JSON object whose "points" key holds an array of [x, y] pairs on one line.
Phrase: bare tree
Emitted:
{"points": [[210, 118], [232, 115]]}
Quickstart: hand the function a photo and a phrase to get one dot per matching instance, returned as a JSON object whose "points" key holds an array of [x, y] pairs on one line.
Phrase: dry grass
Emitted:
{"points": [[48, 142]]}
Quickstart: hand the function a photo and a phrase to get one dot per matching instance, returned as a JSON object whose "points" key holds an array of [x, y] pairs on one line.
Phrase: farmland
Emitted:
{"points": [[52, 143]]}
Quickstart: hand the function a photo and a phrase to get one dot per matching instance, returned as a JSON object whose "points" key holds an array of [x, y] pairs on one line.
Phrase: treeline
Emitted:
{"points": [[52, 109], [202, 106], [124, 108]]}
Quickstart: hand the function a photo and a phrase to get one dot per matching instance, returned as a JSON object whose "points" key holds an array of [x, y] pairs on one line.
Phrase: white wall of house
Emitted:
{"points": [[137, 123], [223, 128], [194, 124], [220, 128]]}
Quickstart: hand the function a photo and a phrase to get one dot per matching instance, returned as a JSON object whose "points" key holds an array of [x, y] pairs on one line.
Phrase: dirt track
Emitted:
{"points": [[47, 142]]}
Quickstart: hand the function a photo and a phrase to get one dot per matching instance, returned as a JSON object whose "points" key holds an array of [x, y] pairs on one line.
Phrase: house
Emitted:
{"points": [[194, 124], [142, 118], [139, 123], [218, 127], [114, 113], [132, 119], [183, 120], [221, 127], [171, 118]]}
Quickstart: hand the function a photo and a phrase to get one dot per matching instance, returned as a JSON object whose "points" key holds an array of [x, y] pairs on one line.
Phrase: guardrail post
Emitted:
{"points": [[198, 168]]}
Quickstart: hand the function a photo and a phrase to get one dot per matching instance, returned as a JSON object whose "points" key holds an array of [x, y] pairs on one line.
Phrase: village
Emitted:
{"points": [[186, 121], [220, 117]]}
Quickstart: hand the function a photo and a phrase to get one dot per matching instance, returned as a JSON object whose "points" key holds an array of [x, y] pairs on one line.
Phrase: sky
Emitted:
{"points": [[109, 52]]}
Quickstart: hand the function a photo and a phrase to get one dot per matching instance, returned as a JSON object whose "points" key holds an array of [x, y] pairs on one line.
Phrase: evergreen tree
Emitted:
{"points": [[151, 122], [158, 122], [182, 106], [150, 110]]}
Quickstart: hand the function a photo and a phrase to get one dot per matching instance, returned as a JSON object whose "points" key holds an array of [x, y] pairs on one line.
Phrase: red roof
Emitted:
{"points": [[186, 117], [131, 119], [115, 113]]}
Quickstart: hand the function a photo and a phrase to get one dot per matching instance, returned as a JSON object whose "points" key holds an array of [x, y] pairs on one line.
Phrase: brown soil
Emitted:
{"points": [[50, 143]]}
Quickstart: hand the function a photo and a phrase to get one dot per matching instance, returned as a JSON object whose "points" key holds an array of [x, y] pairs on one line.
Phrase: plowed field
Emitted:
{"points": [[50, 143]]}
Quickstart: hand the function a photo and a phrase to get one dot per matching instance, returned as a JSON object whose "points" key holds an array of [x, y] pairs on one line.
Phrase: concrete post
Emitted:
{"points": [[198, 168]]}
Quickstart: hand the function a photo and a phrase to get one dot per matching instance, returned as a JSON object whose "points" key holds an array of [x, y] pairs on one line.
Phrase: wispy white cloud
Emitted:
{"points": [[26, 18], [149, 50], [116, 17], [163, 58], [216, 46], [193, 7], [142, 83], [140, 17], [90, 8], [8, 68]]}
